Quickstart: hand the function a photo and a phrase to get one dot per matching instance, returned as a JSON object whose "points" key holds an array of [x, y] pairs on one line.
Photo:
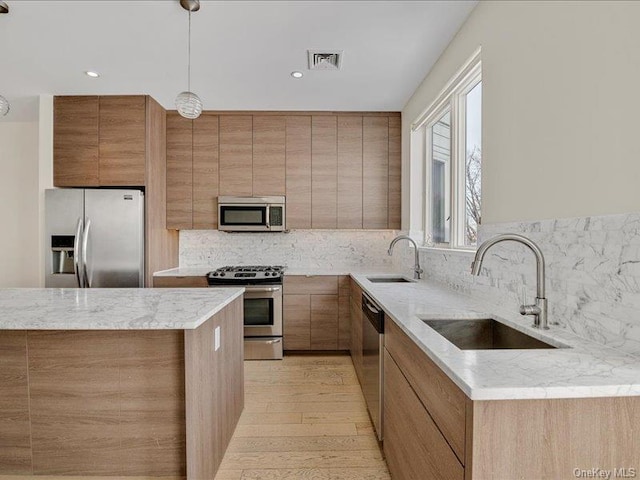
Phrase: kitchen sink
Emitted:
{"points": [[389, 280], [484, 334]]}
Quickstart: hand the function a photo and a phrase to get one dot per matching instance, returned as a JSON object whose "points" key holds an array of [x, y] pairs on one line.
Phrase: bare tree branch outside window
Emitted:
{"points": [[473, 194]]}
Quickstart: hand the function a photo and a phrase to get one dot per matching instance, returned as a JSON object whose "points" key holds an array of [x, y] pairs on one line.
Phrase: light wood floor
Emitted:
{"points": [[304, 419]]}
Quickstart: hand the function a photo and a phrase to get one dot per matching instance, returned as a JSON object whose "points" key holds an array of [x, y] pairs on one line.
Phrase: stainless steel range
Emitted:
{"points": [[262, 307]]}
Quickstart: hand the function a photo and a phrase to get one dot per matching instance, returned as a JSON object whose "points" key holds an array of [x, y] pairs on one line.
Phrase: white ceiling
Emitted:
{"points": [[242, 51]]}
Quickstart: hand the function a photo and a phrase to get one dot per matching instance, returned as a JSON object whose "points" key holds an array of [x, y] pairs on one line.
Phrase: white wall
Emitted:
{"points": [[561, 109], [19, 205]]}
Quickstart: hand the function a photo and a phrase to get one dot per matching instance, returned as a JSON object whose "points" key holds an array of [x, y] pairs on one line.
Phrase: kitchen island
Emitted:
{"points": [[119, 382]]}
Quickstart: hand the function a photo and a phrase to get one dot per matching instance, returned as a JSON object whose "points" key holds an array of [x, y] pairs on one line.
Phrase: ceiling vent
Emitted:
{"points": [[325, 59]]}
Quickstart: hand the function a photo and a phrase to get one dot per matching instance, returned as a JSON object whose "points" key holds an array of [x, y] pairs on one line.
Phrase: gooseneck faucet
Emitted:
{"points": [[539, 310], [417, 271]]}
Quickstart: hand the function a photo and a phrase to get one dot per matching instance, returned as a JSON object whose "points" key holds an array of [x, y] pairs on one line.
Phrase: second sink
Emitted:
{"points": [[484, 334], [389, 280]]}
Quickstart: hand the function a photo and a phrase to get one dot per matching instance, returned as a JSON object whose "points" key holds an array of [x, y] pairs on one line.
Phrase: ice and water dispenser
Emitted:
{"points": [[62, 253]]}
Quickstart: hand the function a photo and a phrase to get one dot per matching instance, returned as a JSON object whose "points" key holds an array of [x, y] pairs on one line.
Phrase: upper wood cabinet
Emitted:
{"points": [[338, 171], [99, 141], [75, 142], [236, 155], [192, 171]]}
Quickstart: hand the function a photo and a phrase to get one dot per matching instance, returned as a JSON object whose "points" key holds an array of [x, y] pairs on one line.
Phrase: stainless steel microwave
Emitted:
{"points": [[251, 214]]}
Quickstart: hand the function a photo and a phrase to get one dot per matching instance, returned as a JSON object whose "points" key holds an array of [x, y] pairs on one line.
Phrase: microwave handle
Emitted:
{"points": [[268, 211]]}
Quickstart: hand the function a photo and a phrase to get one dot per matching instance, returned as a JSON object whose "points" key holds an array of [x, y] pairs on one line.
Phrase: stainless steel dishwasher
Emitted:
{"points": [[372, 357]]}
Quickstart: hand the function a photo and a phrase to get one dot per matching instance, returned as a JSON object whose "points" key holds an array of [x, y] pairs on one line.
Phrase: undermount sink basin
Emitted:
{"points": [[484, 334], [389, 280]]}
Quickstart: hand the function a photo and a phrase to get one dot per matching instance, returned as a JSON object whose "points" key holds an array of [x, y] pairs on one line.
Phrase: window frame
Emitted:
{"points": [[452, 99]]}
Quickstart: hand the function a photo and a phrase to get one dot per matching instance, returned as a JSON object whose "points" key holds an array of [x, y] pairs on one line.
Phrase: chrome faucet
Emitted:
{"points": [[539, 310], [417, 271]]}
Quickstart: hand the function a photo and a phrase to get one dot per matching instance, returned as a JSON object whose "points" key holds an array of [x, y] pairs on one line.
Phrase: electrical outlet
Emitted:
{"points": [[216, 339]]}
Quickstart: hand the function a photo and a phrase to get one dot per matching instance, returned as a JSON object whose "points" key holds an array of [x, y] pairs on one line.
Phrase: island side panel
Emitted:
{"points": [[548, 439], [214, 389], [75, 409], [15, 438], [152, 413], [107, 402]]}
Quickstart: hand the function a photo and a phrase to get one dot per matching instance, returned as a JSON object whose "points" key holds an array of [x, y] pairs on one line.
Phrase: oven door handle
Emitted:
{"points": [[261, 289], [262, 340]]}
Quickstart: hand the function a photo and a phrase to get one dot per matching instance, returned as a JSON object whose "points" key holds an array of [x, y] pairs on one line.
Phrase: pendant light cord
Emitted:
{"points": [[189, 69]]}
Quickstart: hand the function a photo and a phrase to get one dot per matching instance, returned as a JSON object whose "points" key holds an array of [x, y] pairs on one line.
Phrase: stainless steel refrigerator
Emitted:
{"points": [[94, 238]]}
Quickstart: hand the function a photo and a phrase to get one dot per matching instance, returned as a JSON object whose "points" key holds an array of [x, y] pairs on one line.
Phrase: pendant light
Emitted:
{"points": [[188, 103]]}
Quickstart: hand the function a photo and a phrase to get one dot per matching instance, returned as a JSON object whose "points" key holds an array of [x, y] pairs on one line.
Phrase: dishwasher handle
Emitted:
{"points": [[373, 313]]}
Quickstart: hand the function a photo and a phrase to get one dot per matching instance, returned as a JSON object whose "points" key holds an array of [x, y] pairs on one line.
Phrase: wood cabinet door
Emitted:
{"points": [[324, 172], [122, 140], [236, 155], [179, 172], [349, 172], [395, 171], [413, 445], [269, 145], [356, 328], [375, 161], [324, 322], [298, 171], [344, 312], [205, 172], [297, 322], [75, 142]]}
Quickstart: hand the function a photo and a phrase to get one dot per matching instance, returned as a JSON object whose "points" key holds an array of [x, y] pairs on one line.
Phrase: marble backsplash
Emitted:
{"points": [[298, 249], [593, 274]]}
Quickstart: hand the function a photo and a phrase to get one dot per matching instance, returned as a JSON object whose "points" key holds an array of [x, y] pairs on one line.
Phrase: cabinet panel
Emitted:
{"points": [[395, 170], [375, 159], [445, 402], [344, 322], [356, 328], [179, 171], [324, 172], [122, 140], [324, 322], [180, 282], [236, 155], [316, 284], [205, 172], [298, 171], [75, 141], [413, 445], [297, 322], [269, 138], [349, 172]]}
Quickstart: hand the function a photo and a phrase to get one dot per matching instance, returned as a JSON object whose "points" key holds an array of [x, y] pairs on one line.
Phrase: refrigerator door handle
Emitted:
{"points": [[76, 252], [85, 241]]}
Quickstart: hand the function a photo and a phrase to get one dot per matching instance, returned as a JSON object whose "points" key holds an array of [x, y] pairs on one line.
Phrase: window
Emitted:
{"points": [[453, 151]]}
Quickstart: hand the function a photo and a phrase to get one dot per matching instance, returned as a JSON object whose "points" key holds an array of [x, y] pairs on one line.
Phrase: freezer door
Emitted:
{"points": [[64, 208], [113, 244]]}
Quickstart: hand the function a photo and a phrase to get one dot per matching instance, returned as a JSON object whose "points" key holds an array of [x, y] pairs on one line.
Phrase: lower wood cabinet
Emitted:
{"points": [[180, 282], [413, 445], [315, 316], [355, 344], [434, 431]]}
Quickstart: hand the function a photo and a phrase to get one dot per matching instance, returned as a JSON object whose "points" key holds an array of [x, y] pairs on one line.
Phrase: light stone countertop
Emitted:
{"points": [[111, 308], [586, 369], [307, 271]]}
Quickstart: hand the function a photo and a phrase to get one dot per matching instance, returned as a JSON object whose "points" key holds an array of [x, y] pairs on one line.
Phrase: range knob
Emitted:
{"points": [[215, 274], [222, 274]]}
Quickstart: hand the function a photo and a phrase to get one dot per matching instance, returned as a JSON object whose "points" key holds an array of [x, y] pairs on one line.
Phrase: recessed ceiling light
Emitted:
{"points": [[92, 74], [296, 74]]}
